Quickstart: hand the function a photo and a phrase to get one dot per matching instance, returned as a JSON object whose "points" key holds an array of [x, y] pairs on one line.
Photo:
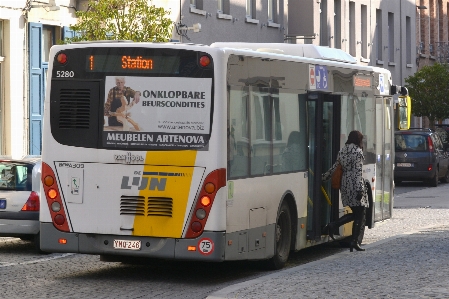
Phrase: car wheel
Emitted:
{"points": [[433, 182], [445, 179]]}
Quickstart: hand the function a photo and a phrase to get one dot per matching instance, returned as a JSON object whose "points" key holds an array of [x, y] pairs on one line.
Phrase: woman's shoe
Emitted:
{"points": [[355, 245], [330, 230]]}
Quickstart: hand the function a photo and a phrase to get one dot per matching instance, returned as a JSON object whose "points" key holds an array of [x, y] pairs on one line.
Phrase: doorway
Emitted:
{"points": [[324, 142]]}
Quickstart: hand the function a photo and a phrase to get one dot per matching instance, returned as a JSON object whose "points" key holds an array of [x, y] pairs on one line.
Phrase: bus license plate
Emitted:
{"points": [[126, 244], [405, 164]]}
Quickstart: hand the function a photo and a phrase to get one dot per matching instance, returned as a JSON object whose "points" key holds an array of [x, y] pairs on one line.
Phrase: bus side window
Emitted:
{"points": [[291, 155]]}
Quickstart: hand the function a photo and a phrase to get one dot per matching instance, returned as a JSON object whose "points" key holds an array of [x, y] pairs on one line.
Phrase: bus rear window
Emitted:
{"points": [[132, 98]]}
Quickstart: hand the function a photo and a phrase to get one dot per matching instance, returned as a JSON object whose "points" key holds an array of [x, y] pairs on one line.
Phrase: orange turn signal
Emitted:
{"points": [[49, 180], [209, 188], [62, 241], [205, 201], [191, 248], [52, 193]]}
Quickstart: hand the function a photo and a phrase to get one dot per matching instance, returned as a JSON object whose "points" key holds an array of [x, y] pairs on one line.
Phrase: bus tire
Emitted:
{"points": [[282, 238]]}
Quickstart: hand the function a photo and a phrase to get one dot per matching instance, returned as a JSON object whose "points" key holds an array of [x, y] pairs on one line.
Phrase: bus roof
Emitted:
{"points": [[300, 50]]}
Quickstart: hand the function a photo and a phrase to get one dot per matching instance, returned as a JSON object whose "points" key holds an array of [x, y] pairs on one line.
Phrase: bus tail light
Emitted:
{"points": [[196, 226], [430, 167], [204, 60], [53, 196], [32, 203], [61, 58], [213, 182]]}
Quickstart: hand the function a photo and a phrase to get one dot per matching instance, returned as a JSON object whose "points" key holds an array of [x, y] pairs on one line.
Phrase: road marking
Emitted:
{"points": [[37, 261]]}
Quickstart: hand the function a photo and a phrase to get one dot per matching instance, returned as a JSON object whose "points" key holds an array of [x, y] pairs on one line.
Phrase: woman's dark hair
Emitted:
{"points": [[356, 138]]}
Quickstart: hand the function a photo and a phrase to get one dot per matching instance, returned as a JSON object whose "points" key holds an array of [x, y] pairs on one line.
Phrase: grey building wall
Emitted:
{"points": [[232, 24], [377, 32]]}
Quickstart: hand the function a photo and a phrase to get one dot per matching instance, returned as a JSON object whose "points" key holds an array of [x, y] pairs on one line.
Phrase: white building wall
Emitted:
{"points": [[14, 94]]}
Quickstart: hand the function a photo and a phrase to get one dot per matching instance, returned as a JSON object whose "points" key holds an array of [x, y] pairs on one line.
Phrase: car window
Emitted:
{"points": [[14, 176], [410, 142]]}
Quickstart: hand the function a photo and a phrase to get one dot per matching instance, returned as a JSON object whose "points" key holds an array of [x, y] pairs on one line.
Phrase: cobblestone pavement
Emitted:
{"points": [[406, 257], [401, 254]]}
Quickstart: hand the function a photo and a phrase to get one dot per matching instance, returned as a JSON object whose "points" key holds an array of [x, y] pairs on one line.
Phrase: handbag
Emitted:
{"points": [[336, 177]]}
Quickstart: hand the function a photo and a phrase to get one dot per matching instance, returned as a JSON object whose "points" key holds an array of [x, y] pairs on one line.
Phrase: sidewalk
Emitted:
{"points": [[397, 263]]}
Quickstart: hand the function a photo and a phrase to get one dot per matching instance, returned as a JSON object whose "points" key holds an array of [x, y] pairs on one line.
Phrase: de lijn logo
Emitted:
{"points": [[129, 158], [150, 183]]}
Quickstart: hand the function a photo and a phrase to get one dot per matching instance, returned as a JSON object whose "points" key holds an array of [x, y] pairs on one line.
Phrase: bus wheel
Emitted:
{"points": [[282, 240]]}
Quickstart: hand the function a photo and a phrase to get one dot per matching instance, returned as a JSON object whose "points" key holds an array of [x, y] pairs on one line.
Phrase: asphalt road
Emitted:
{"points": [[422, 196]]}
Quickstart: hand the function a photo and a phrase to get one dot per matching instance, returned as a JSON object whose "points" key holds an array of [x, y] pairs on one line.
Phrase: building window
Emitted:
{"points": [[337, 24], [364, 31], [408, 40], [324, 33], [440, 19], [352, 41], [273, 10], [391, 37], [433, 25], [48, 40], [198, 4], [379, 44], [224, 7], [251, 9]]}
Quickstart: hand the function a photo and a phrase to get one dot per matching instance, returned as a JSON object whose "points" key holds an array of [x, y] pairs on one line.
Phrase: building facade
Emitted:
{"points": [[27, 31], [396, 35]]}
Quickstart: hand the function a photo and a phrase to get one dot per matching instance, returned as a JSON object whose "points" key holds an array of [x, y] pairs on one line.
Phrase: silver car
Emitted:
{"points": [[19, 198]]}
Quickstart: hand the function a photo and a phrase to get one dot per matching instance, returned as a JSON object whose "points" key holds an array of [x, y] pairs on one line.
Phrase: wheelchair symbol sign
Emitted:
{"points": [[381, 84]]}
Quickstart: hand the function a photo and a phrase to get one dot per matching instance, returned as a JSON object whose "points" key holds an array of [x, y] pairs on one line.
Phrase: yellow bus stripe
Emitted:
{"points": [[169, 175]]}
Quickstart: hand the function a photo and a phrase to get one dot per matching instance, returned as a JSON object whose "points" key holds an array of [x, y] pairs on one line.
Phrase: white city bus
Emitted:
{"points": [[209, 153]]}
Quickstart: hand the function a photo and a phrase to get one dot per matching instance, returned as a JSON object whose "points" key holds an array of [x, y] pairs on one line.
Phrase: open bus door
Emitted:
{"points": [[324, 142]]}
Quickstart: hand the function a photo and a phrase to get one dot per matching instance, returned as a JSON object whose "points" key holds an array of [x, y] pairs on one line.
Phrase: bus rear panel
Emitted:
{"points": [[132, 120]]}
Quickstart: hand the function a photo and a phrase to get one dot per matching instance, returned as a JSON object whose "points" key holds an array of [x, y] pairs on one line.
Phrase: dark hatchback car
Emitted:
{"points": [[420, 156]]}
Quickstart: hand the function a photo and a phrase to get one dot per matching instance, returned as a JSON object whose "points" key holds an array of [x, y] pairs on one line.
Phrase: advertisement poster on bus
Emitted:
{"points": [[156, 112]]}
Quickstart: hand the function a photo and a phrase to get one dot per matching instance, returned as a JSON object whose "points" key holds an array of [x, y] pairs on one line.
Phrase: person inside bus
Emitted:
{"points": [[353, 193], [114, 100], [291, 154]]}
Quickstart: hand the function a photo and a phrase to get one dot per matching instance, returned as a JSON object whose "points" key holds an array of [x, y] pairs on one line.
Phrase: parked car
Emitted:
{"points": [[19, 198], [420, 156]]}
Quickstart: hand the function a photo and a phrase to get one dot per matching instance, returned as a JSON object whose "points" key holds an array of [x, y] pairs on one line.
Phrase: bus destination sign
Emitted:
{"points": [[128, 63]]}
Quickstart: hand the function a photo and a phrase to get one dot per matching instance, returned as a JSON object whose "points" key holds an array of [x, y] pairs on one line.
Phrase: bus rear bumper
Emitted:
{"points": [[209, 246]]}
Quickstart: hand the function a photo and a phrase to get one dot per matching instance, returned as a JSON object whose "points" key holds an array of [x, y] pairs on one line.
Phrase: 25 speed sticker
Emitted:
{"points": [[206, 246]]}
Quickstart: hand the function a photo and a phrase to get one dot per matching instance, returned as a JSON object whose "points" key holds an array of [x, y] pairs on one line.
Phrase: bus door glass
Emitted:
{"points": [[388, 160], [323, 124], [383, 158]]}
